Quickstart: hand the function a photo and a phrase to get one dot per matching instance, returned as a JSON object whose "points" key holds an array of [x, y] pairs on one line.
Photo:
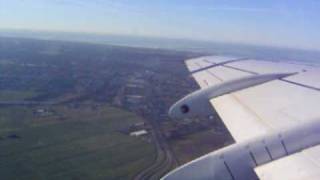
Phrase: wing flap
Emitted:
{"points": [[302, 165]]}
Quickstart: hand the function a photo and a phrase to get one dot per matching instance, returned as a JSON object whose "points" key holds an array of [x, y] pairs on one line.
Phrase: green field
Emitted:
{"points": [[198, 144], [6, 95], [70, 143]]}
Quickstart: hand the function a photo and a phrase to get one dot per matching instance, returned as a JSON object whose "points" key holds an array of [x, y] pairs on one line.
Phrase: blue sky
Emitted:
{"points": [[293, 23]]}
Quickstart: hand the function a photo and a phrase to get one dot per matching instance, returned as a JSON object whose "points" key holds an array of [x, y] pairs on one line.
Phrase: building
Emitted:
{"points": [[139, 133]]}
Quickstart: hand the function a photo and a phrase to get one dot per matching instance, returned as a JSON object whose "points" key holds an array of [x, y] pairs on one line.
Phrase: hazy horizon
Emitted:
{"points": [[196, 46], [289, 24]]}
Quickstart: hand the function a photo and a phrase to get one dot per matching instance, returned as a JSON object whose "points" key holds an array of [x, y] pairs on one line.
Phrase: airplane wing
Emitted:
{"points": [[259, 112]]}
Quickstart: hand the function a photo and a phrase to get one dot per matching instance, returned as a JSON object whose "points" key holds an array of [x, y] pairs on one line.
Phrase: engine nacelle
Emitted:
{"points": [[197, 103]]}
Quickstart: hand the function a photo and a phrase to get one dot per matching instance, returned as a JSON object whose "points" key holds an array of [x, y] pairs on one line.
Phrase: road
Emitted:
{"points": [[165, 159]]}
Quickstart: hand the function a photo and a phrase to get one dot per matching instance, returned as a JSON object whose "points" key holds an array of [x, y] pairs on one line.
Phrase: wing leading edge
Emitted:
{"points": [[264, 108]]}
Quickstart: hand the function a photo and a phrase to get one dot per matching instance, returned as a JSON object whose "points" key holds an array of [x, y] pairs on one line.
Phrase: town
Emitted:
{"points": [[48, 76]]}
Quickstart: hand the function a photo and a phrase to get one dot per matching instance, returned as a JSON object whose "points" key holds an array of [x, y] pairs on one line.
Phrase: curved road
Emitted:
{"points": [[164, 161]]}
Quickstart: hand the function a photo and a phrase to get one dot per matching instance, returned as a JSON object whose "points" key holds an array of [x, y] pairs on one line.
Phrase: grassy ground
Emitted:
{"points": [[16, 95], [70, 143], [195, 145]]}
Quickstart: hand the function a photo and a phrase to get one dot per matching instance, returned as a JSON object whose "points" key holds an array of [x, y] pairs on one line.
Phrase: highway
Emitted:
{"points": [[165, 159]]}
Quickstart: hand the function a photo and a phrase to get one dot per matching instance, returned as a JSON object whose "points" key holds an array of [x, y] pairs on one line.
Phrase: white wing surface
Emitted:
{"points": [[271, 106], [261, 110]]}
